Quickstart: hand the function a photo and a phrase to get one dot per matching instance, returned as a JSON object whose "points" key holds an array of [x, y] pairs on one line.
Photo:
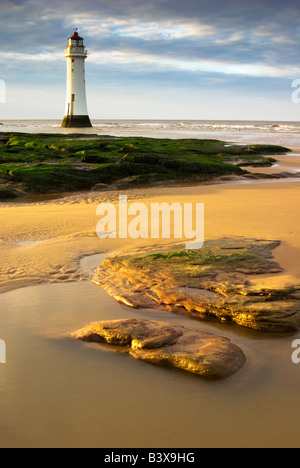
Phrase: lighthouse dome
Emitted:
{"points": [[75, 40], [76, 37]]}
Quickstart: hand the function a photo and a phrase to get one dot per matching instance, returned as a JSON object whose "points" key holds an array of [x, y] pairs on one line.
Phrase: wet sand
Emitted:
{"points": [[289, 163], [58, 392]]}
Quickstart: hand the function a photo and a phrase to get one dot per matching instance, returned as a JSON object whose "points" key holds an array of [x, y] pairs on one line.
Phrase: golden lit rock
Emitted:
{"points": [[219, 281], [169, 344]]}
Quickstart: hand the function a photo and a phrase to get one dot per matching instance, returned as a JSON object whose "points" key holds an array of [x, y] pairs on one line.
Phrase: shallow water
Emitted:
{"points": [[91, 262], [245, 132], [59, 392]]}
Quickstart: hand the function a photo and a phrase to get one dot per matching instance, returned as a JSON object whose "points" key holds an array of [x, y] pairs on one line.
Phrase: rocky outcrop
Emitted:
{"points": [[214, 282], [169, 344]]}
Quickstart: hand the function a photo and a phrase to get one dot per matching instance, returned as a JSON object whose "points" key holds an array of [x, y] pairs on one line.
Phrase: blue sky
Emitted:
{"points": [[160, 59]]}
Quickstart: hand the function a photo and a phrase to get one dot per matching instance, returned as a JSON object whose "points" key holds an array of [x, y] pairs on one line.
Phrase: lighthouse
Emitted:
{"points": [[76, 113]]}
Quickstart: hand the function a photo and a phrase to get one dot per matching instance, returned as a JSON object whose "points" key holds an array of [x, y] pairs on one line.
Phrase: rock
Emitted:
{"points": [[169, 344], [211, 283], [8, 192], [139, 180], [275, 176], [102, 188], [130, 181]]}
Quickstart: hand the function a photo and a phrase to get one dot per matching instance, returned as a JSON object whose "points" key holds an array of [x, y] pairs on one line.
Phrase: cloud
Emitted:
{"points": [[141, 60], [182, 43], [262, 34]]}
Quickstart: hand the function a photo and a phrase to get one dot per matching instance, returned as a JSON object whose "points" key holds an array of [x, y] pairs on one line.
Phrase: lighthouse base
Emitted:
{"points": [[76, 121]]}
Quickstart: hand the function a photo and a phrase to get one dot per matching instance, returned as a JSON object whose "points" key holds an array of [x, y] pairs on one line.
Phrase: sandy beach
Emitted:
{"points": [[42, 242], [54, 391]]}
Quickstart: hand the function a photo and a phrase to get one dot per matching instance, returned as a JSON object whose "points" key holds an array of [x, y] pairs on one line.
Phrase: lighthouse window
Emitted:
{"points": [[73, 60]]}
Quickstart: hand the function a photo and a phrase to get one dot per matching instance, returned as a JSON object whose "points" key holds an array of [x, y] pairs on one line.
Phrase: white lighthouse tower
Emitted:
{"points": [[76, 114]]}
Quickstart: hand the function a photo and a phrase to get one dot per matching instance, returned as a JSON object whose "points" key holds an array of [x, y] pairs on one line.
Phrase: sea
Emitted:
{"points": [[244, 132]]}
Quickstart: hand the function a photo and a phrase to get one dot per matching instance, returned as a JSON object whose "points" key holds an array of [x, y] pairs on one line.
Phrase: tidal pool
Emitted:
{"points": [[58, 392]]}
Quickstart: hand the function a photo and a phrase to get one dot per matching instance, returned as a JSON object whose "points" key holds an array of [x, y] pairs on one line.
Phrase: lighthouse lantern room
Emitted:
{"points": [[76, 113]]}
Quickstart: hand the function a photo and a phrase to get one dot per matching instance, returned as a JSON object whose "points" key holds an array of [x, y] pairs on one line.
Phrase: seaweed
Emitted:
{"points": [[44, 163]]}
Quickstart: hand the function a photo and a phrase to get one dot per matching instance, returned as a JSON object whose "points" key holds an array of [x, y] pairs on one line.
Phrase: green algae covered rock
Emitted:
{"points": [[213, 283]]}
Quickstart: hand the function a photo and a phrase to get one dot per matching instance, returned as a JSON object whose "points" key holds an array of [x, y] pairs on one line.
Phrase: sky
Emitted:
{"points": [[155, 59]]}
